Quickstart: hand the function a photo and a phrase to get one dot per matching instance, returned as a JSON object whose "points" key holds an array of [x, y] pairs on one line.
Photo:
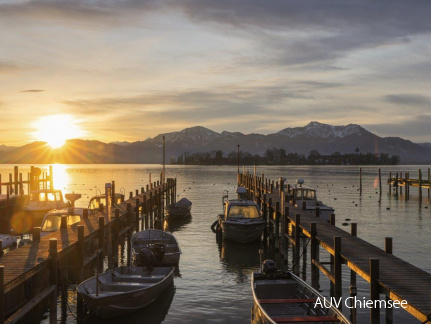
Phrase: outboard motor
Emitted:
{"points": [[269, 267], [159, 252], [147, 258]]}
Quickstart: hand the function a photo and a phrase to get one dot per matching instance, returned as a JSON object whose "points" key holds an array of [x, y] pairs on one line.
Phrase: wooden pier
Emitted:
{"points": [[29, 275], [397, 181], [388, 275]]}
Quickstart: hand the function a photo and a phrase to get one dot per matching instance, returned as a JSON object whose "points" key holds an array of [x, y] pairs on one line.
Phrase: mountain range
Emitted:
{"points": [[324, 138]]}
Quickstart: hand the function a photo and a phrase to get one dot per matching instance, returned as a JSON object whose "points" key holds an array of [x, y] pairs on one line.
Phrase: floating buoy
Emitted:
{"points": [[335, 198], [348, 219], [387, 208], [345, 224], [356, 205]]}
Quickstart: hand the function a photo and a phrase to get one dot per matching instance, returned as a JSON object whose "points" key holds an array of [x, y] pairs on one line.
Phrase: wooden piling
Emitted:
{"points": [[389, 311], [101, 242], [374, 291], [36, 234], [380, 183], [314, 255], [420, 185], [137, 214], [390, 184], [337, 269], [332, 219], [360, 182], [2, 300], [53, 280], [297, 242]]}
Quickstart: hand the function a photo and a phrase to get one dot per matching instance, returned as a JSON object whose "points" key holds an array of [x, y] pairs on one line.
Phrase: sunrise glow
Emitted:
{"points": [[56, 129]]}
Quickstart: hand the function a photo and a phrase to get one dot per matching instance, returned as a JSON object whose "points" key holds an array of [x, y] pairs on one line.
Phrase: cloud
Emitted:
{"points": [[409, 100], [415, 128], [32, 90]]}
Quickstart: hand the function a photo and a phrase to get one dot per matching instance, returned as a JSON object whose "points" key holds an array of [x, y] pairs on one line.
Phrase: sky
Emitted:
{"points": [[132, 69]]}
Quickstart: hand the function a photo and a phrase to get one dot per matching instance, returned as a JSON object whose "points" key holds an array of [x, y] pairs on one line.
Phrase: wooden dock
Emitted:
{"points": [[30, 274], [388, 275], [399, 180]]}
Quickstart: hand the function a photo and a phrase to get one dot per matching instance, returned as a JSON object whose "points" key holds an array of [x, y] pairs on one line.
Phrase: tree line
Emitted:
{"points": [[281, 157]]}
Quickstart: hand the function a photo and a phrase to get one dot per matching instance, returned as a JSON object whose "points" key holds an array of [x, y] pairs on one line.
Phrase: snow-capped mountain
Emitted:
{"points": [[324, 138], [316, 129]]}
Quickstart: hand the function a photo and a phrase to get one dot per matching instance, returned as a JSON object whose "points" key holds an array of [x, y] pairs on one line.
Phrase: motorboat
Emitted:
{"points": [[179, 210], [242, 220], [163, 245], [52, 220], [8, 241], [124, 289], [282, 297], [99, 200], [298, 195]]}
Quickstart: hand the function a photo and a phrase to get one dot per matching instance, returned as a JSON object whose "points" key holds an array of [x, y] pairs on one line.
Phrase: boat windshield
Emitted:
{"points": [[309, 194], [243, 212], [95, 202], [46, 196], [53, 222]]}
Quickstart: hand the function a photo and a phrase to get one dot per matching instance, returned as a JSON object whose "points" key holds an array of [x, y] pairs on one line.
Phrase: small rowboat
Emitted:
{"points": [[162, 244], [179, 210], [125, 289], [282, 297]]}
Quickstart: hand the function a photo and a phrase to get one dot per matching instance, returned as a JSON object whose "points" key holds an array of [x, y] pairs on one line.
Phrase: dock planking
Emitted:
{"points": [[33, 260], [397, 279]]}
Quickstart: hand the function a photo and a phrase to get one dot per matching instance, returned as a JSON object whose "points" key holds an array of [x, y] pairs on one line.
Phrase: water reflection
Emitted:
{"points": [[154, 313], [61, 176], [176, 225], [240, 259]]}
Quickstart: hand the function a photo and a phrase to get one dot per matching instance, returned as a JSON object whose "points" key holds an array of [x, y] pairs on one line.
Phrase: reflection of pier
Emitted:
{"points": [[388, 275], [29, 275]]}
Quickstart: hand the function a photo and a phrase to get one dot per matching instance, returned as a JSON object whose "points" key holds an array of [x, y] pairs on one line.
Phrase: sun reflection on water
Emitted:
{"points": [[61, 176]]}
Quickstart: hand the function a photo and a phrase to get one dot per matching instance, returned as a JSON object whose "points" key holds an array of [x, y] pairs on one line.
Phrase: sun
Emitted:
{"points": [[56, 129]]}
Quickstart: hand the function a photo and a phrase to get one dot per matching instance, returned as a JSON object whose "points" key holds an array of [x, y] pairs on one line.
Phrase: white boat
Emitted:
{"points": [[282, 297], [179, 210], [299, 194], [52, 220], [125, 289], [7, 240], [242, 220], [162, 244], [43, 200], [98, 200]]}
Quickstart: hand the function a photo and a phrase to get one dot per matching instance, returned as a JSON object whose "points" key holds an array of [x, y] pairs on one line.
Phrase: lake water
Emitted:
{"points": [[214, 281]]}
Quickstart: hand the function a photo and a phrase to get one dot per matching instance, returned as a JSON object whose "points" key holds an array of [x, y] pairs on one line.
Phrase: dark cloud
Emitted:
{"points": [[409, 100], [414, 127], [32, 90]]}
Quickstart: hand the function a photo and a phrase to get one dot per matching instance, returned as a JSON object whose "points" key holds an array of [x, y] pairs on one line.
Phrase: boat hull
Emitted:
{"points": [[110, 304], [242, 232], [176, 213]]}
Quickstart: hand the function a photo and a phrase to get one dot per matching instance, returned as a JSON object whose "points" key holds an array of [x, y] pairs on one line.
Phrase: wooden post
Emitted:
{"points": [[265, 212], [53, 280], [317, 212], [353, 232], [389, 310], [337, 269], [401, 188], [314, 255], [420, 185], [380, 183], [36, 234], [407, 194], [297, 242], [429, 182], [2, 301], [101, 242], [332, 219], [15, 179], [144, 213], [137, 214], [390, 183], [374, 291], [360, 182], [277, 225], [304, 205], [130, 194], [85, 213], [63, 224]]}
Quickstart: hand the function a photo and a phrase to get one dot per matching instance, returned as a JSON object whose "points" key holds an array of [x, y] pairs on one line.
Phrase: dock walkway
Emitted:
{"points": [[397, 279]]}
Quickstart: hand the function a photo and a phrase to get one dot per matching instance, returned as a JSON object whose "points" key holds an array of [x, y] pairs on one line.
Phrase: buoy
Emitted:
{"points": [[345, 224], [387, 208], [348, 219]]}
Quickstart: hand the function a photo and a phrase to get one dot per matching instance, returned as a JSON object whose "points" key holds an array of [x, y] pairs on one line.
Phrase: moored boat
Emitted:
{"points": [[242, 221], [282, 297], [52, 220], [301, 197], [163, 245], [125, 289], [180, 209]]}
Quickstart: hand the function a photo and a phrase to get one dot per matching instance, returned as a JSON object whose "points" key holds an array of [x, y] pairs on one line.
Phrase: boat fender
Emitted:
{"points": [[213, 226]]}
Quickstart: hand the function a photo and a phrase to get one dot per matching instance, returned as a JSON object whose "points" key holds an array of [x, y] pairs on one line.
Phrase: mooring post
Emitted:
{"points": [[380, 183], [2, 301], [145, 213], [374, 291], [85, 213], [317, 212], [401, 188], [297, 242], [304, 205], [277, 226], [264, 214], [63, 224], [314, 255], [332, 219], [390, 183], [420, 185], [15, 179], [137, 214], [389, 310], [360, 182], [101, 242], [337, 269], [53, 280], [36, 234], [429, 182], [353, 232]]}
